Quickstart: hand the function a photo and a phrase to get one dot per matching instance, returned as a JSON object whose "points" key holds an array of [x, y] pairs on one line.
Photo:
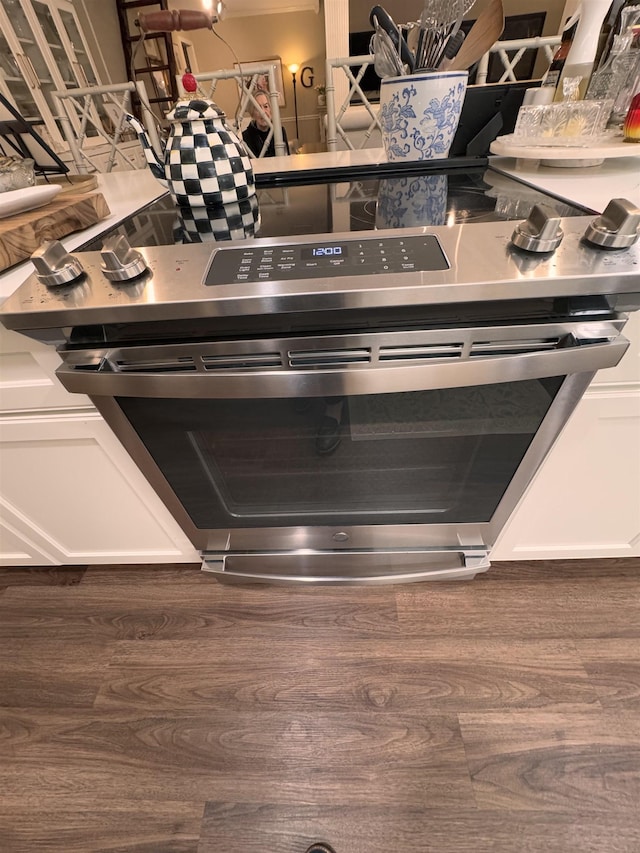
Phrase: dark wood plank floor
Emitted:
{"points": [[153, 710]]}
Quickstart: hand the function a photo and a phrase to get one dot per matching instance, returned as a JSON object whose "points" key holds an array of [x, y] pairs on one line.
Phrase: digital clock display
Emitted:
{"points": [[334, 252]]}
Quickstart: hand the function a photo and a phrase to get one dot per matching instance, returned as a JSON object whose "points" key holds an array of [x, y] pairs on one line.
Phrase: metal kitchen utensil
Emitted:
{"points": [[431, 47], [439, 21], [379, 17], [481, 37], [455, 38], [386, 60], [446, 13], [443, 19], [433, 32], [451, 49], [413, 34]]}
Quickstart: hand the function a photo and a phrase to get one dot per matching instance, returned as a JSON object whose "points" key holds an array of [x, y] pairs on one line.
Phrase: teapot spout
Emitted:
{"points": [[155, 163]]}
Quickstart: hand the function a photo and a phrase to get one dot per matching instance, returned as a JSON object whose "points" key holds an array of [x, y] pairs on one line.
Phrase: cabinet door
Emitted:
{"points": [[59, 26], [27, 377], [71, 495], [12, 84], [29, 71], [64, 15], [45, 51], [17, 549], [585, 500]]}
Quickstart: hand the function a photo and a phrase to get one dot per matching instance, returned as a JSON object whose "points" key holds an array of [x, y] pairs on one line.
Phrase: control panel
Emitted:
{"points": [[372, 255], [328, 259]]}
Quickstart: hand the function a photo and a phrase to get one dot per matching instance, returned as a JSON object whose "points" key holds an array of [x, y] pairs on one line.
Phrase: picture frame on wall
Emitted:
{"points": [[252, 80]]}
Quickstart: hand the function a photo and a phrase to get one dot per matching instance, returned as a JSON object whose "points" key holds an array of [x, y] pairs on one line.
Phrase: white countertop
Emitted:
{"points": [[592, 187], [318, 160], [126, 192]]}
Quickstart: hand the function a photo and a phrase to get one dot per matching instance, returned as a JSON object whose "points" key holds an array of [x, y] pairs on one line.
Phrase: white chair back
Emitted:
{"points": [[96, 114], [248, 87]]}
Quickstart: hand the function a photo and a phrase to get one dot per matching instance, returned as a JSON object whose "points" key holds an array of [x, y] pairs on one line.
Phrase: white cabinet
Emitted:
{"points": [[69, 492], [27, 380], [585, 500], [17, 548], [43, 50], [61, 27], [72, 496]]}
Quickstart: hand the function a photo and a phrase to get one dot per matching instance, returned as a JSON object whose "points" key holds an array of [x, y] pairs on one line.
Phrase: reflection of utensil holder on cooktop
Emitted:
{"points": [[415, 200]]}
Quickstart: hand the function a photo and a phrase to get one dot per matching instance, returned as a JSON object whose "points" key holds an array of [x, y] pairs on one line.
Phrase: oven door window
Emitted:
{"points": [[442, 456]]}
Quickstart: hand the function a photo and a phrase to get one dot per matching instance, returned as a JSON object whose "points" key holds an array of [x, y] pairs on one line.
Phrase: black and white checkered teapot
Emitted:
{"points": [[204, 163]]}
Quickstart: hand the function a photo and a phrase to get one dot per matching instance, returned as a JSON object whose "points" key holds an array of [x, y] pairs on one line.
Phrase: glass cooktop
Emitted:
{"points": [[343, 204]]}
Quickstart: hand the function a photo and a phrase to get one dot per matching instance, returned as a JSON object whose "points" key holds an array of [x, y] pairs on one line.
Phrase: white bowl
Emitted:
{"points": [[419, 114], [19, 201]]}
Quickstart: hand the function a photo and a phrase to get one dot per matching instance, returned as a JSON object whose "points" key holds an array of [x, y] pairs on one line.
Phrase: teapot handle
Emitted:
{"points": [[169, 20]]}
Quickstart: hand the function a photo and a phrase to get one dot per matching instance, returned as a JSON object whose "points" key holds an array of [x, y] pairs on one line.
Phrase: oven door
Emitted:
{"points": [[384, 456]]}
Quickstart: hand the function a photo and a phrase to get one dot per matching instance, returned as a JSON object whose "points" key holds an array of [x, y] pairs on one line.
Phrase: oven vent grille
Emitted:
{"points": [[421, 352], [491, 349], [329, 357], [335, 357], [178, 364], [239, 361]]}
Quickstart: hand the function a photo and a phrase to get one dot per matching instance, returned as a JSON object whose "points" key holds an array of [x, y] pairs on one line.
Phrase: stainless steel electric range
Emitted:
{"points": [[363, 392]]}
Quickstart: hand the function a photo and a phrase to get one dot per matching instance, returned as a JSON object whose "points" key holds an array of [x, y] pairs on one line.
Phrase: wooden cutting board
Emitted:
{"points": [[21, 234]]}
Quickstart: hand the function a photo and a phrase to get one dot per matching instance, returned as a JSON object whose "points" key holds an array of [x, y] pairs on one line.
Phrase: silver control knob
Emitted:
{"points": [[120, 261], [541, 232], [617, 227], [54, 265]]}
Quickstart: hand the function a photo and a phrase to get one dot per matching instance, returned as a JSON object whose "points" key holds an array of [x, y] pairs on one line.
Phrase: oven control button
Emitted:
{"points": [[119, 261], [541, 232], [54, 265], [617, 228]]}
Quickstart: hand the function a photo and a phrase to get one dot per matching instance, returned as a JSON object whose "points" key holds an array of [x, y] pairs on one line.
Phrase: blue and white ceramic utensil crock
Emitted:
{"points": [[419, 114], [204, 164]]}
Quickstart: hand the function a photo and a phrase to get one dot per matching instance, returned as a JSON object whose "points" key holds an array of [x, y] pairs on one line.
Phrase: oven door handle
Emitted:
{"points": [[345, 566], [100, 375]]}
